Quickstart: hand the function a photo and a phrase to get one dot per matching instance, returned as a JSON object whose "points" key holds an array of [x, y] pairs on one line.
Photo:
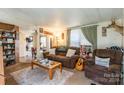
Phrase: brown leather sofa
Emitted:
{"points": [[60, 55], [101, 74]]}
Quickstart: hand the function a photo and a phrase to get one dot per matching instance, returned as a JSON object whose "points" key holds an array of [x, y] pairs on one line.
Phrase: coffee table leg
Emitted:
{"points": [[61, 68], [31, 65], [50, 74]]}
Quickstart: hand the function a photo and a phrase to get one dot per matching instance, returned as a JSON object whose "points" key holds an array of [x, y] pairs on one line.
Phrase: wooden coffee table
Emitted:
{"points": [[50, 68]]}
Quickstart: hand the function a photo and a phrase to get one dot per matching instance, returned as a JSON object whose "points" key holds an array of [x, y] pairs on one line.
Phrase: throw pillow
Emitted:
{"points": [[52, 51], [40, 55], [70, 52], [62, 49], [102, 61]]}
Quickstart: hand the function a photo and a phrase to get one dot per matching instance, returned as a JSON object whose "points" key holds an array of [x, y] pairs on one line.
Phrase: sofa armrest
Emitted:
{"points": [[45, 54], [75, 56], [114, 68], [73, 60]]}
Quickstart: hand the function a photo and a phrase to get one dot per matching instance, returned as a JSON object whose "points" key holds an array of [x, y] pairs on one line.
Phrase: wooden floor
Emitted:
{"points": [[9, 79], [24, 62]]}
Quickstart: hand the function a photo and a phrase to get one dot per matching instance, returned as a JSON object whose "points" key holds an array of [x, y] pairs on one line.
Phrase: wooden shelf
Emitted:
{"points": [[9, 54], [13, 32], [8, 43], [7, 37], [11, 60], [10, 49]]}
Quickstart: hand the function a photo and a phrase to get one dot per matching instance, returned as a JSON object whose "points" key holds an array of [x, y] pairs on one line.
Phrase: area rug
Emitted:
{"points": [[39, 76]]}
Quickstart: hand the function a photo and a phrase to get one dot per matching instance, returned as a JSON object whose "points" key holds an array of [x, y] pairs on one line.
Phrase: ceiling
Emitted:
{"points": [[57, 17]]}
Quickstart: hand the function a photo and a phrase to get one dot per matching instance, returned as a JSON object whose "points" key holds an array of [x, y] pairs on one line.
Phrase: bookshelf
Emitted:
{"points": [[9, 41]]}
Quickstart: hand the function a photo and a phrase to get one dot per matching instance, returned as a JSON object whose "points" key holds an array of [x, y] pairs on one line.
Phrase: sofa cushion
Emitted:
{"points": [[97, 70], [118, 57], [61, 58], [70, 52], [115, 56], [61, 51], [77, 50], [94, 68], [104, 53], [102, 61], [52, 51]]}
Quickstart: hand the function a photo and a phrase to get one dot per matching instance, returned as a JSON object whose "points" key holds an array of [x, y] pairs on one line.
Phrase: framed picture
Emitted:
{"points": [[41, 30], [104, 31]]}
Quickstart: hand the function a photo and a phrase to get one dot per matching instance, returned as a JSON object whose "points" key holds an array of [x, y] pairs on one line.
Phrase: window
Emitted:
{"points": [[43, 41], [77, 38]]}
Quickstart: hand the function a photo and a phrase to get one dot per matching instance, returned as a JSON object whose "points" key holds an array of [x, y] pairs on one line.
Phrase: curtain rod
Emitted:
{"points": [[75, 27]]}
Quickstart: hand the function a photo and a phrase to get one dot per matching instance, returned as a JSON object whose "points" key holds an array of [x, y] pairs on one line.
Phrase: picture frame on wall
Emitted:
{"points": [[41, 30], [104, 31]]}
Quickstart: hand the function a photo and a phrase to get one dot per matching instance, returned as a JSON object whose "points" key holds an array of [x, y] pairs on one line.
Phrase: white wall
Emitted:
{"points": [[113, 38], [22, 42]]}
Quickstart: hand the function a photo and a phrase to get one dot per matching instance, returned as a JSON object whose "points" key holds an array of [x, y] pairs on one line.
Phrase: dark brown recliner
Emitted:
{"points": [[60, 55], [101, 74]]}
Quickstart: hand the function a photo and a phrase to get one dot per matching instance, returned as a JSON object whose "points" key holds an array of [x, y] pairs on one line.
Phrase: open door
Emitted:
{"points": [[2, 78]]}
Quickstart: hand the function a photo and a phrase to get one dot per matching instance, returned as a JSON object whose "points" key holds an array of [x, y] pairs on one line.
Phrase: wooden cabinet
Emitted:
{"points": [[2, 80]]}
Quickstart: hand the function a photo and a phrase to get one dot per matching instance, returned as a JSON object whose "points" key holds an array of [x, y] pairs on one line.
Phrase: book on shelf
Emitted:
{"points": [[9, 40]]}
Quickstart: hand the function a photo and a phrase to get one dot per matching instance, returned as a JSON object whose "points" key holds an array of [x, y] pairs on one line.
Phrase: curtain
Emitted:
{"points": [[90, 33], [68, 37]]}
